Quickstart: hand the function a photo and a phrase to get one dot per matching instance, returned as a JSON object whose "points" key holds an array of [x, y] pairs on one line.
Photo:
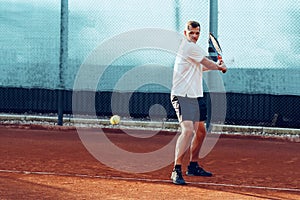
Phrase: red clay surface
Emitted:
{"points": [[244, 168]]}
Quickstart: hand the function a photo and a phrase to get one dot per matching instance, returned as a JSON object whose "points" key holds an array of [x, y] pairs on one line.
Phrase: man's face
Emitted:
{"points": [[192, 34]]}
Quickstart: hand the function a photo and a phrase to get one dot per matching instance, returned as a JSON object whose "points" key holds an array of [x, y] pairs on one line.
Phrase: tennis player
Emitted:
{"points": [[188, 101]]}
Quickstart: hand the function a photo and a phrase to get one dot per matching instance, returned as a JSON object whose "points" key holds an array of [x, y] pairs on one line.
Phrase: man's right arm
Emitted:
{"points": [[210, 65]]}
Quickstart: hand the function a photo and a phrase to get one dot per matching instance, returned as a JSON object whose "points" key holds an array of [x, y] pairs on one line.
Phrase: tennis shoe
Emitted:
{"points": [[177, 177], [197, 171]]}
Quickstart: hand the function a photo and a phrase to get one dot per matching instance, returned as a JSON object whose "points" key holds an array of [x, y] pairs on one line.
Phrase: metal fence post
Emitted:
{"points": [[177, 15], [213, 28], [63, 59]]}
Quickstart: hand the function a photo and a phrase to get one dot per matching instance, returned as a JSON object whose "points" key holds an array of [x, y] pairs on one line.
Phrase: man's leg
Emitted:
{"points": [[183, 141], [200, 133], [194, 169], [182, 144]]}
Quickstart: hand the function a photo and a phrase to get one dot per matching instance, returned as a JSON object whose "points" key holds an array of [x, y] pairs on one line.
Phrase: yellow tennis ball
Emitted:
{"points": [[115, 119]]}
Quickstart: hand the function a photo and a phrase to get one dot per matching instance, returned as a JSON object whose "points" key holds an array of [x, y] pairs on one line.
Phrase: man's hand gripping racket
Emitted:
{"points": [[217, 48]]}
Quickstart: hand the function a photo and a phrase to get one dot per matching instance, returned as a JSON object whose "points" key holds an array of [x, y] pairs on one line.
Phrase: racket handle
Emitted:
{"points": [[219, 57]]}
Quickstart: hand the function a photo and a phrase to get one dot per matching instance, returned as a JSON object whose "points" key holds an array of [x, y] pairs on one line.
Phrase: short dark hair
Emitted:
{"points": [[194, 24]]}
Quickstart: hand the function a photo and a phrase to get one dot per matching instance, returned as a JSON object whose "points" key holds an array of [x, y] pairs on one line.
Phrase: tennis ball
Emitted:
{"points": [[115, 119]]}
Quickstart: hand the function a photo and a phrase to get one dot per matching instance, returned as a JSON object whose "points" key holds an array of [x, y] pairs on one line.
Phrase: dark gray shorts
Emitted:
{"points": [[189, 109]]}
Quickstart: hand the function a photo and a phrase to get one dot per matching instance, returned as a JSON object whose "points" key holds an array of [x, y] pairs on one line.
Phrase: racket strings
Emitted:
{"points": [[215, 44]]}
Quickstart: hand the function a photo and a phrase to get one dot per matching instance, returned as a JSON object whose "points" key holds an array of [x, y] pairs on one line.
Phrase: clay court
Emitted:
{"points": [[50, 162]]}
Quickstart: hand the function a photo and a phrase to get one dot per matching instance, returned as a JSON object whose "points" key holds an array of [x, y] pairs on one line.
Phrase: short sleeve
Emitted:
{"points": [[196, 53]]}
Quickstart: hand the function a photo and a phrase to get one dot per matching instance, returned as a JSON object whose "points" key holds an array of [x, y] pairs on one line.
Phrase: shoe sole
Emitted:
{"points": [[199, 175], [179, 183]]}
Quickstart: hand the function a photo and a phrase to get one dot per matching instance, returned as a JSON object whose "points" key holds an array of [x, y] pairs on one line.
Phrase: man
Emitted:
{"points": [[188, 101]]}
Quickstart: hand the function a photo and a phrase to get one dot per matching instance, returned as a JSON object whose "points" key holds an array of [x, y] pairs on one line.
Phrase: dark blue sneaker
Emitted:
{"points": [[197, 171], [177, 177]]}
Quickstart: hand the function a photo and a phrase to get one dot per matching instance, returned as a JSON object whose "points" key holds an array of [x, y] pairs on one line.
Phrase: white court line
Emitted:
{"points": [[150, 180]]}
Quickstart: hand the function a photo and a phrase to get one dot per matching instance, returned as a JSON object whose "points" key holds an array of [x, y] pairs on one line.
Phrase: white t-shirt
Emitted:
{"points": [[187, 75]]}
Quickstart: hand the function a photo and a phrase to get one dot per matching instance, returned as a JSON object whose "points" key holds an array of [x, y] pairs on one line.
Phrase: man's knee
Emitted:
{"points": [[187, 129]]}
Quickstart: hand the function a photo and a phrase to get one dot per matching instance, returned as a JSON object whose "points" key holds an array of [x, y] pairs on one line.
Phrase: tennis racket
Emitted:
{"points": [[216, 46]]}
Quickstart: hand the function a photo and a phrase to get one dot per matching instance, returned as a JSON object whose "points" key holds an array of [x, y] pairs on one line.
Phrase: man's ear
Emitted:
{"points": [[184, 32]]}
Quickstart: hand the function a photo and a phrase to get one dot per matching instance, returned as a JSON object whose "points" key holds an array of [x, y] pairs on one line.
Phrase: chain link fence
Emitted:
{"points": [[260, 42]]}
